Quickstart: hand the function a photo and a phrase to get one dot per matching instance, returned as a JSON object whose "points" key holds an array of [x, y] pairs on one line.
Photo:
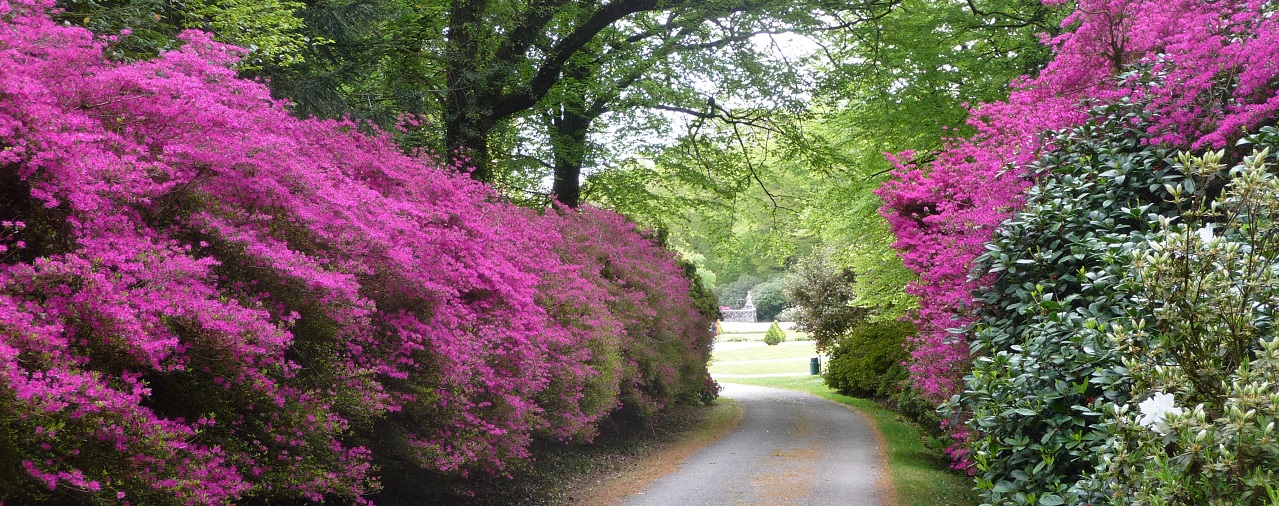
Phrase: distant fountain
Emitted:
{"points": [[745, 314]]}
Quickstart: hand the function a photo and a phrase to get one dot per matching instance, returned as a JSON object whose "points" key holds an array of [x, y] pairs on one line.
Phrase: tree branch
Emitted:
{"points": [[559, 55]]}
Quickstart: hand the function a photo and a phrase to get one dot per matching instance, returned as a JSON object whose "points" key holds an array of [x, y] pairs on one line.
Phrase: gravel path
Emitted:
{"points": [[791, 448]]}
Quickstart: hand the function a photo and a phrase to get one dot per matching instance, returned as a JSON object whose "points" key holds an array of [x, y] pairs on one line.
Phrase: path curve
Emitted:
{"points": [[790, 448]]}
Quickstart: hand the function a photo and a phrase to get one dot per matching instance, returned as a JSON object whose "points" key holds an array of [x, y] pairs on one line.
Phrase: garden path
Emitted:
{"points": [[790, 448]]}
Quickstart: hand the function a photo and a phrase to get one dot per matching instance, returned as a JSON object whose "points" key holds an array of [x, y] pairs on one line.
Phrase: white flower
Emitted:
{"points": [[1155, 411], [1205, 234]]}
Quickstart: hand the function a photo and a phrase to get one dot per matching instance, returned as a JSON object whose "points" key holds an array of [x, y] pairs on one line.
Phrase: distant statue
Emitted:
{"points": [[745, 315]]}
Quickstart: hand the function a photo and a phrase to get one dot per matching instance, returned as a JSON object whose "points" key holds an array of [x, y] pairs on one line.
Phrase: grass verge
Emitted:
{"points": [[916, 465]]}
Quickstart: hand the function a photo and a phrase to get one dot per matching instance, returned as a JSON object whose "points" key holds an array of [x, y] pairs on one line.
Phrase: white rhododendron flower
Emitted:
{"points": [[1205, 234], [1155, 411]]}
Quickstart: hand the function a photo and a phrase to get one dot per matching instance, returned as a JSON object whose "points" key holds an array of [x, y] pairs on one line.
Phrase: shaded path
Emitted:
{"points": [[790, 448]]}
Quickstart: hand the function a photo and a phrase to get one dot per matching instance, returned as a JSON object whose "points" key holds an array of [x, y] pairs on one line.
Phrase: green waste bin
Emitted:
{"points": [[815, 366]]}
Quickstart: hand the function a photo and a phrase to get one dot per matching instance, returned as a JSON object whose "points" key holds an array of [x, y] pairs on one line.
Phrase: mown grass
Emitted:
{"points": [[732, 337], [800, 349], [788, 367], [790, 357], [916, 464]]}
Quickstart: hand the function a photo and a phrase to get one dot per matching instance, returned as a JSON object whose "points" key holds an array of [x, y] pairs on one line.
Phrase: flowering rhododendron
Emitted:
{"points": [[1155, 411], [1205, 68], [205, 300], [1213, 71]]}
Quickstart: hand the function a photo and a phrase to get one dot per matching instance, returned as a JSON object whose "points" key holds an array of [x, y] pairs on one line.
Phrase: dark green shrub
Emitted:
{"points": [[770, 298], [1042, 363], [908, 402], [774, 335], [867, 362]]}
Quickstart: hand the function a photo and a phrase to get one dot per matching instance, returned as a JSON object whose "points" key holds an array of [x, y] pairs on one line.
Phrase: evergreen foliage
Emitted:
{"points": [[1042, 362], [775, 335], [1027, 314], [867, 361], [943, 207]]}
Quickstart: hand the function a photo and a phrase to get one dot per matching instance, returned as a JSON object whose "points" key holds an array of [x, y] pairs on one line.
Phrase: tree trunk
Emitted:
{"points": [[468, 144], [468, 102], [568, 142]]}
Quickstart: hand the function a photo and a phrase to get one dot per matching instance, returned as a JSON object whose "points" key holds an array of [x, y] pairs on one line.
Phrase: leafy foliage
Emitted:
{"points": [[867, 361], [142, 29], [824, 295], [1205, 282], [944, 209], [770, 297], [734, 294], [1042, 362]]}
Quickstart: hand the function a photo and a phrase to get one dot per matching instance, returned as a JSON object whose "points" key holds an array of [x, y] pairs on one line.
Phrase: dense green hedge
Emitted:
{"points": [[867, 361]]}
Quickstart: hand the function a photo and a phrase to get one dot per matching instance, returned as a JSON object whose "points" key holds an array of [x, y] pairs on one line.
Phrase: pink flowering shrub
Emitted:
{"points": [[668, 337], [1212, 64], [206, 300]]}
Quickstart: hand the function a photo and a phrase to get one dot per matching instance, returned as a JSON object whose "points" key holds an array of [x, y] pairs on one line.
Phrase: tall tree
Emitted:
{"points": [[681, 64], [480, 69]]}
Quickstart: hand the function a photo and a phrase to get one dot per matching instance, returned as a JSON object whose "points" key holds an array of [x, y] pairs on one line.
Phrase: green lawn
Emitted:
{"points": [[916, 464], [788, 349], [787, 357], [791, 335], [790, 366]]}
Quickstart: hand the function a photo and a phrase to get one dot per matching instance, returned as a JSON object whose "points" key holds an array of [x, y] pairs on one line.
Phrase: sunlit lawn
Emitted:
{"points": [[789, 349], [789, 366], [788, 357], [916, 464], [791, 335]]}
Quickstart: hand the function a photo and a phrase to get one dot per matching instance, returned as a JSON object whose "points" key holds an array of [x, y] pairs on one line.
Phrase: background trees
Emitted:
{"points": [[549, 70], [755, 197]]}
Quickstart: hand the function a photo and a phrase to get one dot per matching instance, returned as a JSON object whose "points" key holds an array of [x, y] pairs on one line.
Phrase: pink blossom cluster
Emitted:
{"points": [[206, 300], [1213, 75]]}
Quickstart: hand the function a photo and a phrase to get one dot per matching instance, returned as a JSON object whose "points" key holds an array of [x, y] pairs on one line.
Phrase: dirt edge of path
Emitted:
{"points": [[612, 488]]}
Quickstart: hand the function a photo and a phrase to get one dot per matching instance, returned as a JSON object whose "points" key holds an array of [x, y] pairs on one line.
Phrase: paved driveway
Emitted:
{"points": [[790, 448]]}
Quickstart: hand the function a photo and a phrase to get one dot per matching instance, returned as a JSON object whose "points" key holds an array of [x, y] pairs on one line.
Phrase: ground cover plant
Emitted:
{"points": [[206, 300]]}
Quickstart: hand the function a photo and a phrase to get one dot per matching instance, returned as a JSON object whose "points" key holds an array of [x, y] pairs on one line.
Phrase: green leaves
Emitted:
{"points": [[1040, 342]]}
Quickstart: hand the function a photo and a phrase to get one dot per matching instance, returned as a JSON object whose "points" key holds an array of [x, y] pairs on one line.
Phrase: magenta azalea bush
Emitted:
{"points": [[205, 300]]}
